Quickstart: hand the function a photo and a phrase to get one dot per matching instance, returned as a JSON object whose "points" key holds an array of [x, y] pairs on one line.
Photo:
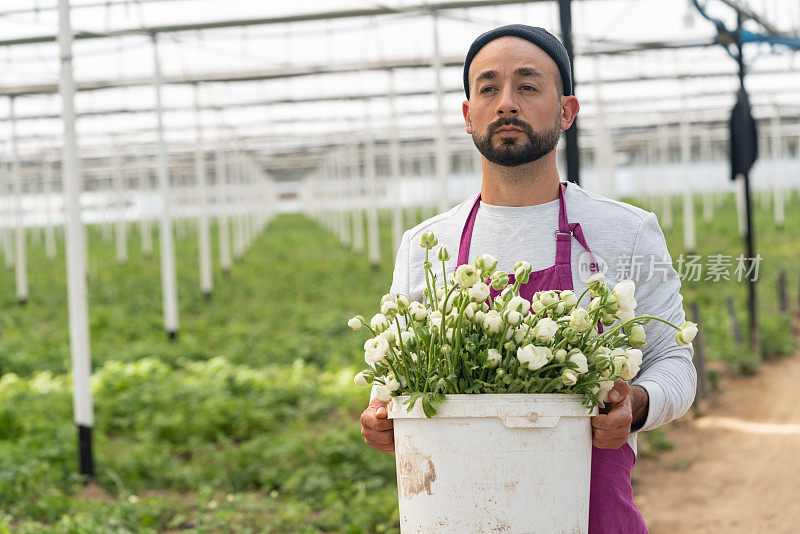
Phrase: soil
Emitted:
{"points": [[735, 468]]}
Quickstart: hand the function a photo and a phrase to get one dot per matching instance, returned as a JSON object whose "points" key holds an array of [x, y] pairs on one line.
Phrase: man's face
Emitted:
{"points": [[514, 112]]}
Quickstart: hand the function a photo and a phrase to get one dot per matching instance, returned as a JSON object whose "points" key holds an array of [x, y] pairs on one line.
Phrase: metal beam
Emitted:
{"points": [[237, 23]]}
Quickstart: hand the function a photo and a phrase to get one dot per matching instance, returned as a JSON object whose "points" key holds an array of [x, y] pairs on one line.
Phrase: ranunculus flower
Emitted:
{"points": [[388, 297], [596, 283], [624, 315], [545, 329], [391, 383], [480, 317], [493, 322], [602, 390], [579, 359], [428, 240], [417, 311], [360, 379], [560, 356], [445, 307], [549, 297], [493, 357], [479, 292], [389, 335], [519, 333], [379, 322], [356, 322], [522, 271], [686, 334], [569, 298], [389, 308], [519, 304], [467, 276], [375, 350], [403, 302], [637, 335], [513, 317], [579, 320], [569, 377], [499, 280], [533, 357], [624, 291], [486, 263], [407, 337], [536, 306]]}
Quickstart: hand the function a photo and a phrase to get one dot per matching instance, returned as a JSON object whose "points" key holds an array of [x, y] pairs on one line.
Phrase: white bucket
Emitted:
{"points": [[494, 463]]}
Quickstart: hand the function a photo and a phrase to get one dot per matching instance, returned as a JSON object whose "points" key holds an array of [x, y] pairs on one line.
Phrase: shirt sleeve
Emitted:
{"points": [[667, 372], [400, 280]]}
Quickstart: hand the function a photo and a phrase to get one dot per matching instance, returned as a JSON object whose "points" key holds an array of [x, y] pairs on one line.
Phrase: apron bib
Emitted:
{"points": [[611, 506]]}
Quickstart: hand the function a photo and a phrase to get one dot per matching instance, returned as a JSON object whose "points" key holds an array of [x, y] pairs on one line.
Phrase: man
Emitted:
{"points": [[519, 98]]}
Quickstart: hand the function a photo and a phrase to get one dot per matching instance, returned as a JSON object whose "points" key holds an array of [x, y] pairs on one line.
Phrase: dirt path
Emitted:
{"points": [[736, 468]]}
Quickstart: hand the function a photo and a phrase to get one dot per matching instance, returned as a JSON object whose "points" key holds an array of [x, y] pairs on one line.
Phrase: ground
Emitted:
{"points": [[736, 467]]}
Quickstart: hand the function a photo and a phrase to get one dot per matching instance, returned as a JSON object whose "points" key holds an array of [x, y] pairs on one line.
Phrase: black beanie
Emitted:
{"points": [[538, 36]]}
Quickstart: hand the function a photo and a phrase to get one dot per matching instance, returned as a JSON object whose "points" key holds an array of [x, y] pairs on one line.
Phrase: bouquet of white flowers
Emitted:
{"points": [[459, 341]]}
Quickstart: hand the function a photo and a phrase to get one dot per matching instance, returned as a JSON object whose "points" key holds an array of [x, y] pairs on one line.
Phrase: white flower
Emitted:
{"points": [[537, 306], [413, 356], [445, 307], [519, 333], [493, 322], [633, 359], [383, 394], [601, 392], [545, 329], [548, 297], [533, 357], [579, 320], [519, 304], [521, 268], [560, 356], [417, 311], [479, 292], [513, 317], [403, 302], [486, 263], [580, 360], [624, 291], [356, 322], [595, 282], [406, 336], [391, 383], [389, 308], [360, 380], [493, 358], [375, 350], [389, 335], [569, 298], [388, 297], [379, 322], [470, 309], [569, 377], [686, 334], [637, 336], [467, 276], [480, 317], [435, 320], [624, 315]]}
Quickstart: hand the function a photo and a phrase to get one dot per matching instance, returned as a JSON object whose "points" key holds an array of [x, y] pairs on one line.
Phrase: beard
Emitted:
{"points": [[514, 151]]}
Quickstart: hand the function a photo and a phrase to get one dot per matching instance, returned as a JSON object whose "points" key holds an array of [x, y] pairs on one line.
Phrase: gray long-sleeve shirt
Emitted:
{"points": [[629, 241]]}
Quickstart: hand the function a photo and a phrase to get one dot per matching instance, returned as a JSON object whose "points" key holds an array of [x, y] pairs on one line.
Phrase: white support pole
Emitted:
{"points": [[222, 219], [143, 184], [394, 166], [689, 235], [206, 280], [169, 284], [358, 212], [663, 156], [740, 207], [777, 168], [373, 230], [442, 163], [706, 148], [121, 229], [20, 270], [83, 407], [49, 230], [238, 227]]}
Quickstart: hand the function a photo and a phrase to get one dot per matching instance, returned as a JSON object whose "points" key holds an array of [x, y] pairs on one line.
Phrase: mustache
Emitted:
{"points": [[510, 121]]}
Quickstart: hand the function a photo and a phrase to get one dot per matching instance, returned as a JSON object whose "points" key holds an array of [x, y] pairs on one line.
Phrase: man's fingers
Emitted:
{"points": [[380, 447], [619, 391], [370, 420], [611, 421]]}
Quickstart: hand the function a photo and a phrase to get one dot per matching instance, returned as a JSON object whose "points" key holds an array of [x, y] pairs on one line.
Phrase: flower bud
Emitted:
{"points": [[512, 317], [356, 322], [493, 358], [467, 276], [486, 263], [687, 333], [428, 240], [569, 378], [479, 292], [560, 356], [637, 336], [388, 297], [379, 322], [417, 311], [360, 379], [443, 254], [579, 320], [403, 302], [389, 309], [569, 298], [499, 280]]}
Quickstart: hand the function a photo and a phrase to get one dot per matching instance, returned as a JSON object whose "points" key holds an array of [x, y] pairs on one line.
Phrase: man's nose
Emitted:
{"points": [[507, 104]]}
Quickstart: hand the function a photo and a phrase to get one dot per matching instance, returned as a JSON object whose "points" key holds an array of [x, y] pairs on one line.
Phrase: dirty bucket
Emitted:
{"points": [[516, 463]]}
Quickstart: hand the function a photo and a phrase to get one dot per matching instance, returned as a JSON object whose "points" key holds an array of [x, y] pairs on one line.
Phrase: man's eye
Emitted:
{"points": [[528, 87], [484, 89]]}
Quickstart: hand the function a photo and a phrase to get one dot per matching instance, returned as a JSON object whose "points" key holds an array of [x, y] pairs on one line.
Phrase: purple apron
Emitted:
{"points": [[611, 506]]}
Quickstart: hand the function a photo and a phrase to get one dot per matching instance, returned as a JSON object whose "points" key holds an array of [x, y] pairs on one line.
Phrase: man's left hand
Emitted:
{"points": [[610, 429]]}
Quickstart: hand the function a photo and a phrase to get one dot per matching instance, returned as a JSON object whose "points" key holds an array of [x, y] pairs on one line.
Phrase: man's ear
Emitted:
{"points": [[465, 111], [569, 110]]}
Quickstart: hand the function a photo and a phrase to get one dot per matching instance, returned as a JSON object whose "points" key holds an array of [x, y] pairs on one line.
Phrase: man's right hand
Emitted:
{"points": [[378, 431]]}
